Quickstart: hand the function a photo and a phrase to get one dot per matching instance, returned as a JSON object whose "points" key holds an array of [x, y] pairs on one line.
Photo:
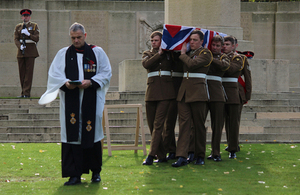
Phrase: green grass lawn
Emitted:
{"points": [[259, 169]]}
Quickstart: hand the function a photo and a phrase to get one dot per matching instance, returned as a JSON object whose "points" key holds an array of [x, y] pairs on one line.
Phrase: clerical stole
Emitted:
{"points": [[72, 99]]}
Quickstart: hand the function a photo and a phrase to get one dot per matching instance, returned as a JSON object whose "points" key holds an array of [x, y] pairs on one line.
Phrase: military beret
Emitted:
{"points": [[25, 12], [248, 54]]}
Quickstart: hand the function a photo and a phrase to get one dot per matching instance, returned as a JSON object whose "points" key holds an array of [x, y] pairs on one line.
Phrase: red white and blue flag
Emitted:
{"points": [[174, 36]]}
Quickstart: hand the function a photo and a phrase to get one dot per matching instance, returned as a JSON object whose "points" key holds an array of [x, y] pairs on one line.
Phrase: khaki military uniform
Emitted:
{"points": [[169, 131], [192, 98], [26, 61], [245, 92], [160, 91], [216, 103], [232, 105]]}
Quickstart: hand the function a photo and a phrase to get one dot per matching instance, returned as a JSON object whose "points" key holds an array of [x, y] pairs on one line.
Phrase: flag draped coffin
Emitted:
{"points": [[174, 36]]}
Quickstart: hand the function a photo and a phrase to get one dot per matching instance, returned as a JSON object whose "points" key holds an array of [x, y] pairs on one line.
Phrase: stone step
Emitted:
{"points": [[270, 137], [32, 122], [44, 110], [295, 89], [30, 137], [249, 108], [283, 129], [275, 96], [33, 129], [15, 106], [19, 101], [14, 110], [129, 101], [39, 116], [281, 102], [129, 137], [277, 115], [132, 95], [285, 122]]}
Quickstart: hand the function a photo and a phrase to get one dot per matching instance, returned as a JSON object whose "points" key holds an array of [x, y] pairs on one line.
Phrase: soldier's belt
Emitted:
{"points": [[229, 79], [214, 78], [177, 74], [194, 75], [27, 41], [159, 73]]}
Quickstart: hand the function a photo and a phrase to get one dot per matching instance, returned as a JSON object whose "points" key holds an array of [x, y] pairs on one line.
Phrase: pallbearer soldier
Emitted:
{"points": [[26, 36], [159, 93], [192, 97], [169, 131], [216, 104], [232, 106], [244, 80], [245, 85]]}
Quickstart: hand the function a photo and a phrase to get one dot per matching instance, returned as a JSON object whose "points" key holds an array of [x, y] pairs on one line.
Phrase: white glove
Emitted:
{"points": [[22, 47], [25, 31]]}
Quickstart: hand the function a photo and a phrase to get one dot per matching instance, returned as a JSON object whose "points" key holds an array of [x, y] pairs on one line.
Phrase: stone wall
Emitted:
{"points": [[274, 28], [122, 28]]}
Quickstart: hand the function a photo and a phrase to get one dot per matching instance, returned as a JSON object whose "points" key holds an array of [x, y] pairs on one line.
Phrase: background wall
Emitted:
{"points": [[122, 29]]}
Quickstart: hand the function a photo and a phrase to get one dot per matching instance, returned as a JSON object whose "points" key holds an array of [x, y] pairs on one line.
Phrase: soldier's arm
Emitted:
{"points": [[34, 33], [204, 59], [17, 37], [248, 80], [151, 62], [235, 65], [223, 63]]}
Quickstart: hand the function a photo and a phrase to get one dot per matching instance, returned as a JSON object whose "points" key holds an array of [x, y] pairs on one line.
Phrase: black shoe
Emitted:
{"points": [[217, 158], [238, 148], [26, 96], [210, 157], [181, 162], [199, 161], [73, 181], [162, 160], [171, 156], [96, 177], [232, 155], [191, 157], [149, 160], [21, 96]]}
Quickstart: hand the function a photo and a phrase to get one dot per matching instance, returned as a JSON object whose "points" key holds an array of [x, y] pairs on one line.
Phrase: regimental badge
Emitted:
{"points": [[72, 120], [89, 127], [237, 59], [204, 52]]}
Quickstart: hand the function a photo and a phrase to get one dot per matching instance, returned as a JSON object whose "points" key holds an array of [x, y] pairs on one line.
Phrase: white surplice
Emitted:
{"points": [[57, 78]]}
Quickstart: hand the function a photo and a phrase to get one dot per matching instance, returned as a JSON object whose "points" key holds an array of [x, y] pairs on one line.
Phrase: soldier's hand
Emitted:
{"points": [[25, 31], [22, 47], [160, 51], [183, 48]]}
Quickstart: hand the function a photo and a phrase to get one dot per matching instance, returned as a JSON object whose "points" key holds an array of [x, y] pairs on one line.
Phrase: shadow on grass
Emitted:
{"points": [[85, 187]]}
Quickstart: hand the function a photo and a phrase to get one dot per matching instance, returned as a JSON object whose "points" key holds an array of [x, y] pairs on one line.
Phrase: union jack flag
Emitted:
{"points": [[174, 36]]}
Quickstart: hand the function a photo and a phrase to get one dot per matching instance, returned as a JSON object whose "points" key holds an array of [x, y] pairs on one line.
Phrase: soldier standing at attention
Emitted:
{"points": [[26, 36], [216, 104], [232, 105], [160, 91], [192, 98]]}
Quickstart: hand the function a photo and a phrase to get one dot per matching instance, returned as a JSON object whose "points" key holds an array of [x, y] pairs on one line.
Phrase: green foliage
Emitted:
{"points": [[34, 168]]}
